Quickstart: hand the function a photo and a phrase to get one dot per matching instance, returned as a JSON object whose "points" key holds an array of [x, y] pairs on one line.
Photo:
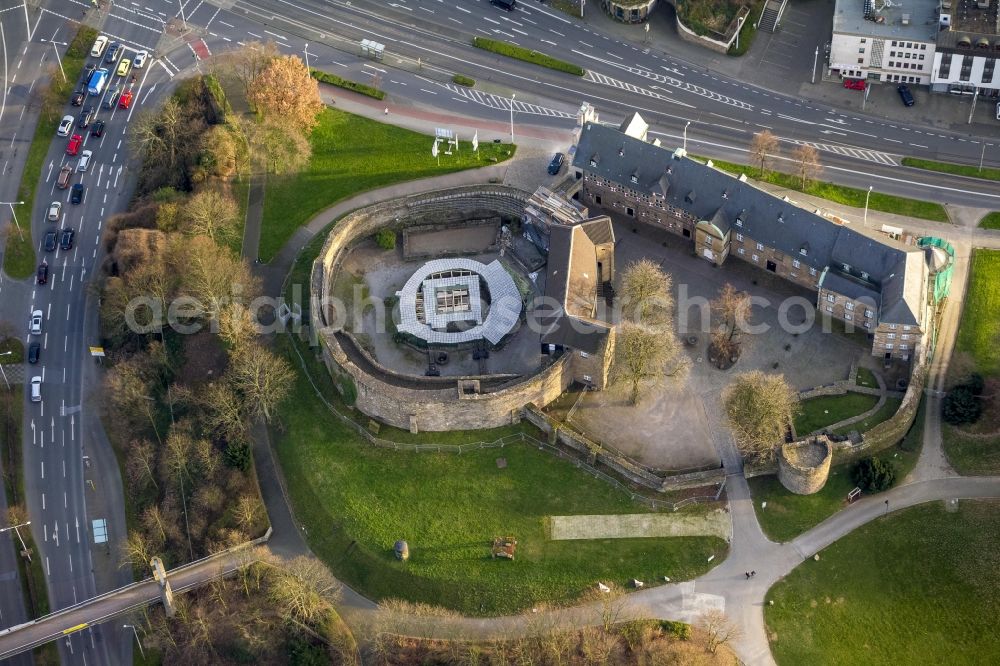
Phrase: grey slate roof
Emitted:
{"points": [[598, 230], [853, 289], [713, 195]]}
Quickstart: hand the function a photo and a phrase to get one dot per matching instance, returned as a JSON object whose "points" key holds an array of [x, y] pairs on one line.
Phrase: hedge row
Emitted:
{"points": [[527, 55], [463, 80], [334, 80]]}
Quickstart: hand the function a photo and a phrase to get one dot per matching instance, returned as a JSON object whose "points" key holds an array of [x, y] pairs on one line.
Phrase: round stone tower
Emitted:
{"points": [[803, 466]]}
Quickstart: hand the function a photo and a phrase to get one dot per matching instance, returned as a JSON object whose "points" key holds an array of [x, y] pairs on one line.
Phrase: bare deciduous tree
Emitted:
{"points": [[284, 90], [247, 63], [286, 148], [261, 377], [759, 408], [225, 412], [247, 511], [732, 308], [303, 589], [644, 358], [137, 550], [763, 146], [140, 463], [647, 294], [718, 628], [213, 213], [807, 165], [237, 325]]}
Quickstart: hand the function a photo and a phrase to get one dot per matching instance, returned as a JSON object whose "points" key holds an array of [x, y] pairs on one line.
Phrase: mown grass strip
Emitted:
{"points": [[991, 221], [987, 173], [527, 55], [347, 84]]}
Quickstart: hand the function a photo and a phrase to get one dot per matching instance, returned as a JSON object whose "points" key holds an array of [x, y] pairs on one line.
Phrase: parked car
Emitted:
{"points": [[42, 275], [78, 97], [73, 147], [100, 44], [556, 164], [50, 241], [112, 97], [126, 100], [36, 389], [76, 195], [124, 67], [65, 174], [97, 129], [55, 211], [35, 324], [139, 61], [854, 84], [84, 160], [65, 126], [905, 94], [86, 116], [34, 351], [66, 239], [112, 53]]}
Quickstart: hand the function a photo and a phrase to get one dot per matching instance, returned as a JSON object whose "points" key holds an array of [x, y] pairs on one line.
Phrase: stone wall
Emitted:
{"points": [[803, 467], [423, 405]]}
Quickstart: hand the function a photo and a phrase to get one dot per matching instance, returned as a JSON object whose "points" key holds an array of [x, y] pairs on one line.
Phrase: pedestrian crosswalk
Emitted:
{"points": [[857, 153], [671, 81], [504, 103], [634, 89]]}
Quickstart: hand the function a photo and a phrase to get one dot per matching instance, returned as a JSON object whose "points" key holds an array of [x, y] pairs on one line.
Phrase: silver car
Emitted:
{"points": [[36, 322], [65, 126]]}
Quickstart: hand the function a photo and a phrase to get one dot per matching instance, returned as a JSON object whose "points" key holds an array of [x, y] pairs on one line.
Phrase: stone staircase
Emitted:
{"points": [[771, 15]]}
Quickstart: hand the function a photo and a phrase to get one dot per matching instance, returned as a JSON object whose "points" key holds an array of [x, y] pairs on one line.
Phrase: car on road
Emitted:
{"points": [[86, 116], [998, 110], [88, 71], [509, 5], [556, 164], [50, 241], [100, 44], [66, 239], [97, 129], [76, 195], [34, 351], [126, 100], [139, 61], [55, 211], [112, 97], [78, 97], [124, 67], [35, 325], [36, 389], [905, 94], [65, 126], [112, 53], [65, 175], [854, 84], [42, 274], [73, 147], [84, 160]]}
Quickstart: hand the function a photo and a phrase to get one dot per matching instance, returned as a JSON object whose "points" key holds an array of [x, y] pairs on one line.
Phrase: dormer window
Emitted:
{"points": [[689, 197], [621, 152], [635, 178], [670, 170], [781, 218], [864, 276], [739, 222], [804, 250], [847, 267], [725, 194], [593, 162]]}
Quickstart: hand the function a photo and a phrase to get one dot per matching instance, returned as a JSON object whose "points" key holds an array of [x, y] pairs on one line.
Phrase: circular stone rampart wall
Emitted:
{"points": [[803, 467], [413, 403]]}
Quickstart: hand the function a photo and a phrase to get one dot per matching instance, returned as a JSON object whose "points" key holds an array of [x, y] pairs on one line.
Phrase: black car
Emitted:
{"points": [[34, 350], [97, 129], [905, 94], [50, 241], [87, 71], [78, 97], [42, 275], [85, 117], [556, 163], [66, 240], [76, 195], [509, 5], [112, 53]]}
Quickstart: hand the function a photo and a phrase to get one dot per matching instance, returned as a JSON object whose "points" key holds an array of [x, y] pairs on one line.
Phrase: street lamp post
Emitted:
{"points": [[686, 136], [4, 372], [973, 109], [865, 223], [739, 26], [982, 156], [13, 214], [132, 627], [24, 549], [512, 96], [58, 59], [815, 62], [305, 49]]}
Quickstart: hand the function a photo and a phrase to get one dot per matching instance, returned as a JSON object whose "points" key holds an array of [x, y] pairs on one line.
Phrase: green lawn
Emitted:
{"points": [[971, 456], [866, 378], [986, 173], [357, 500], [350, 155], [887, 410], [991, 221], [16, 351], [917, 587], [818, 413], [979, 330], [849, 196]]}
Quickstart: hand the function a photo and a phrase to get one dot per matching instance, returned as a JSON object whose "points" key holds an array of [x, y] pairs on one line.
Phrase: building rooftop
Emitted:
{"points": [[973, 28], [913, 19]]}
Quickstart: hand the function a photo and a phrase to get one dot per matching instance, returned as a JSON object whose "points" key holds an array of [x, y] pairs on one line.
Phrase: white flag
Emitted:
{"points": [[434, 149], [475, 141]]}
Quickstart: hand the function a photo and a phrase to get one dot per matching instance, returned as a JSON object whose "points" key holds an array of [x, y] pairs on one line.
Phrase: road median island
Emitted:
{"points": [[987, 173], [347, 84], [527, 55]]}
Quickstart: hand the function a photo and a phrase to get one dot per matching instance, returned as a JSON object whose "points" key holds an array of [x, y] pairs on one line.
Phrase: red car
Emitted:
{"points": [[854, 84], [125, 100], [74, 144]]}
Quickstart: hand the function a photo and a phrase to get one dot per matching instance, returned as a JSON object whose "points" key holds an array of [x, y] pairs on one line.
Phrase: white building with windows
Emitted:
{"points": [[884, 40], [968, 45]]}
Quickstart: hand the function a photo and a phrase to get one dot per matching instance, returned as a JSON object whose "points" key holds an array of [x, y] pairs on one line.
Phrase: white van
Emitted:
{"points": [[36, 389]]}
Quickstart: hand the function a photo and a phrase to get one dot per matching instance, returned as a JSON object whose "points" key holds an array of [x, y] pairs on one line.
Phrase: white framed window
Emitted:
{"points": [[849, 305], [831, 298], [812, 271], [741, 251], [906, 328], [796, 263], [868, 324], [864, 276], [829, 308], [804, 252], [892, 327], [891, 336], [588, 378], [739, 237], [904, 336], [584, 354], [904, 346], [760, 246], [708, 241], [848, 316], [868, 313], [888, 345]]}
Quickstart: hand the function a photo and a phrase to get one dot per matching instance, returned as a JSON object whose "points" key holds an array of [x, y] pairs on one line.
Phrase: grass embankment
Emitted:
{"points": [[350, 155], [884, 413], [848, 196], [19, 257], [788, 515], [347, 84], [987, 173], [527, 55], [866, 378], [917, 587], [991, 221], [818, 413]]}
